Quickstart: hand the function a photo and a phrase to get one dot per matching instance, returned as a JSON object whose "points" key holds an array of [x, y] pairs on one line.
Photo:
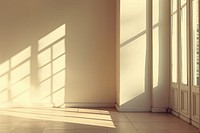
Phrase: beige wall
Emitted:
{"points": [[143, 55], [134, 49], [65, 43], [64, 51], [161, 50]]}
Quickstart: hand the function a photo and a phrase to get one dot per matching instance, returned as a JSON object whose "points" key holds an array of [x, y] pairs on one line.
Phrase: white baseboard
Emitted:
{"points": [[88, 105], [185, 118], [132, 109], [175, 113], [195, 124], [159, 110], [179, 115]]}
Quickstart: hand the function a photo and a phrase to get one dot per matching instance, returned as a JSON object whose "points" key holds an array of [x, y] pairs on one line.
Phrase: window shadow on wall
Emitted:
{"points": [[15, 77], [51, 67], [135, 57], [144, 71], [18, 72]]}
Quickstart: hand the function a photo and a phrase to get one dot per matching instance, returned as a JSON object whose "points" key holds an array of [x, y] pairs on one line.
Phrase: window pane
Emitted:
{"points": [[184, 45], [195, 40], [183, 2], [174, 5], [174, 49]]}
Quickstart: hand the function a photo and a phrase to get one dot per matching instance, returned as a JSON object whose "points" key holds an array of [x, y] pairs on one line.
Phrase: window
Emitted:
{"points": [[183, 42], [174, 43], [195, 42]]}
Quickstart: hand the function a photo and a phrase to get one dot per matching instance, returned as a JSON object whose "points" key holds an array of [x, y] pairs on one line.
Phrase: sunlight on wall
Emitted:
{"points": [[20, 72], [51, 67], [4, 84], [133, 18], [61, 115], [15, 78], [20, 57], [155, 42], [51, 37], [133, 49], [133, 59], [4, 67]]}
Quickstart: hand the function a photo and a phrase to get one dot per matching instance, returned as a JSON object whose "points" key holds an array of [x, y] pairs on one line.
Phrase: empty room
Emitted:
{"points": [[99, 66]]}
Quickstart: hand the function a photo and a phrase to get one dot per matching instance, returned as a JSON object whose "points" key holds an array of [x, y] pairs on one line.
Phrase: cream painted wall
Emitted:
{"points": [[135, 66], [87, 78], [37, 36], [143, 55], [161, 50]]}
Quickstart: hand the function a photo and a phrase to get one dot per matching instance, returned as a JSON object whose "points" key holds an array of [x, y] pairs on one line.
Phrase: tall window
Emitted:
{"points": [[184, 64], [174, 43], [195, 41]]}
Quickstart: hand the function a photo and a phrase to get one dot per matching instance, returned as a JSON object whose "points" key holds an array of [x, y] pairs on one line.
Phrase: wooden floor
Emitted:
{"points": [[80, 120]]}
